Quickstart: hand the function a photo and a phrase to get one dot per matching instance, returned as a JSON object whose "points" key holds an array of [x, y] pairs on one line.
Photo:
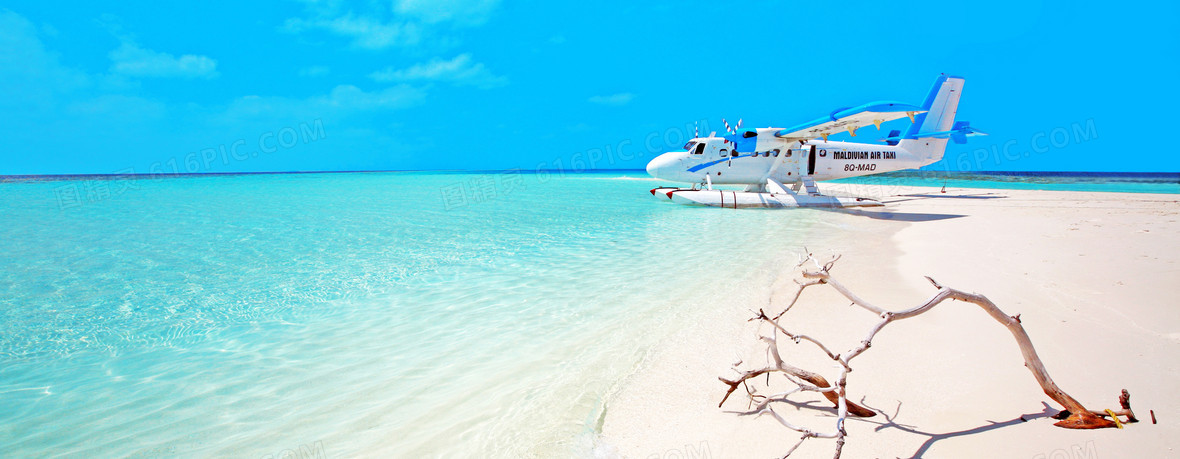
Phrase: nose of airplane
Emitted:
{"points": [[659, 166]]}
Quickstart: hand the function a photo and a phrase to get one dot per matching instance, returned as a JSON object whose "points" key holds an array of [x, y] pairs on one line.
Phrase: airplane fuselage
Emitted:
{"points": [[739, 159]]}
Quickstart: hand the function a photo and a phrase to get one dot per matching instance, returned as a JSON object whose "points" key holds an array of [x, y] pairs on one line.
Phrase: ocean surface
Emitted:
{"points": [[393, 314]]}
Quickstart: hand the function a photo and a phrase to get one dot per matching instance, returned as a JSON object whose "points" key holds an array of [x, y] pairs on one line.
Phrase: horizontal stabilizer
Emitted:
{"points": [[958, 134]]}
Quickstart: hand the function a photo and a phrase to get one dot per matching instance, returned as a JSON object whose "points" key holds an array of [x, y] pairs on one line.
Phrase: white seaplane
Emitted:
{"points": [[765, 159]]}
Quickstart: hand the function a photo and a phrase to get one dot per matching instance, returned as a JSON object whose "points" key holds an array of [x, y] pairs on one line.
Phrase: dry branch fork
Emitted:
{"points": [[1075, 416]]}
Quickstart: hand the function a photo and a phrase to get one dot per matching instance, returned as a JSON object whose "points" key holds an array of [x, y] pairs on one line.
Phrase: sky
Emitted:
{"points": [[161, 87]]}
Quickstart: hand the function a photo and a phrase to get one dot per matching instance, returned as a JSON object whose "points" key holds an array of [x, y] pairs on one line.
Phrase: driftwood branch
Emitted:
{"points": [[1074, 416]]}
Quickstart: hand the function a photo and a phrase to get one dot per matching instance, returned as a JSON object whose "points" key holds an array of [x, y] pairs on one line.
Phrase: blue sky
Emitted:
{"points": [[104, 87]]}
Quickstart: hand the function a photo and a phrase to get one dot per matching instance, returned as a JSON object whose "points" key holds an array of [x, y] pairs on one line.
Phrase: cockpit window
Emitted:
{"points": [[700, 149], [688, 146]]}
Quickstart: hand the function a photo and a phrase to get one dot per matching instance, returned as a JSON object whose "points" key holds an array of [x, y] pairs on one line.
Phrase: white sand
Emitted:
{"points": [[1093, 275]]}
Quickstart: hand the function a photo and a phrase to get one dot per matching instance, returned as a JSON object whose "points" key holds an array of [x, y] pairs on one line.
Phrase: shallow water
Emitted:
{"points": [[401, 314], [393, 314]]}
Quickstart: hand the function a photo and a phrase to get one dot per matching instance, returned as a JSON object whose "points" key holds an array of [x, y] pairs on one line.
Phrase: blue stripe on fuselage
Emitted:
{"points": [[714, 163]]}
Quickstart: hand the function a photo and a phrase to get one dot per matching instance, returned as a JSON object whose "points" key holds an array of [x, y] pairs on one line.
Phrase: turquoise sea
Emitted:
{"points": [[343, 314], [396, 314]]}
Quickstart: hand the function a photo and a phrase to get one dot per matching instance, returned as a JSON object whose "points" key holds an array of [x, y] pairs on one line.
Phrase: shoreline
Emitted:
{"points": [[1100, 325]]}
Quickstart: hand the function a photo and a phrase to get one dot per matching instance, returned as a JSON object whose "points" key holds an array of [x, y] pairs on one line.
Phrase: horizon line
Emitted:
{"points": [[522, 171]]}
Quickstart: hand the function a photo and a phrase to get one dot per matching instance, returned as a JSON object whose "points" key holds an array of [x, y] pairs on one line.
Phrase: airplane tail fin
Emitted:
{"points": [[928, 136]]}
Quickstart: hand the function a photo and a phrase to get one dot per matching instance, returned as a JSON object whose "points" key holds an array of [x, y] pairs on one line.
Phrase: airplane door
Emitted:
{"points": [[811, 160]]}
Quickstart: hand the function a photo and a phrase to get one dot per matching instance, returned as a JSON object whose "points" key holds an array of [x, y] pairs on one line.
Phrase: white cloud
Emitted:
{"points": [[459, 12], [32, 78], [352, 97], [407, 23], [341, 100], [49, 106], [132, 60], [366, 32], [123, 106], [620, 99], [461, 71]]}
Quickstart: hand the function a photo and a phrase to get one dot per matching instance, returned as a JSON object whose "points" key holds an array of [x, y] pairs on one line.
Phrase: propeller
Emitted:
{"points": [[733, 129]]}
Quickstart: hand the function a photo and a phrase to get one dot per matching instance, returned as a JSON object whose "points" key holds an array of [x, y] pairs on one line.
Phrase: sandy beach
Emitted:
{"points": [[1093, 276]]}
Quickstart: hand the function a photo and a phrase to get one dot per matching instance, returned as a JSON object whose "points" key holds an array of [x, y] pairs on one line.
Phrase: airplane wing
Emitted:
{"points": [[850, 119]]}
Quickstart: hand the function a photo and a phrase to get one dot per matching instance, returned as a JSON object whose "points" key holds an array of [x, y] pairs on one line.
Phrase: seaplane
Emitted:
{"points": [[780, 166]]}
